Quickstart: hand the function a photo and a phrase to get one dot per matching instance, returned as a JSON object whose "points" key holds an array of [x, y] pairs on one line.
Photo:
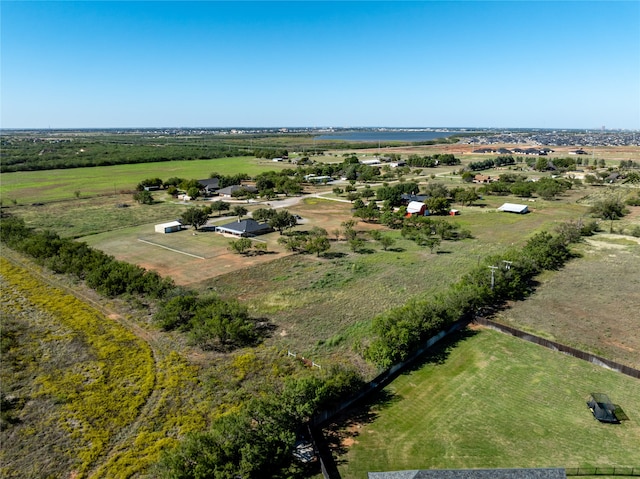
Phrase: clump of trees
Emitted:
{"points": [[610, 208], [258, 439], [316, 241], [208, 321], [29, 155], [489, 163], [509, 183], [431, 161], [195, 216], [279, 220], [245, 246]]}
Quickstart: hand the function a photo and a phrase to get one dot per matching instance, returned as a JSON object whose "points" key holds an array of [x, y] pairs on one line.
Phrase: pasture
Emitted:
{"points": [[488, 400], [593, 303], [28, 187]]}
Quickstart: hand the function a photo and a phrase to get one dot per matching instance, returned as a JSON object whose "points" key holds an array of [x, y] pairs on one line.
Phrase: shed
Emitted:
{"points": [[169, 227], [514, 208], [416, 208]]}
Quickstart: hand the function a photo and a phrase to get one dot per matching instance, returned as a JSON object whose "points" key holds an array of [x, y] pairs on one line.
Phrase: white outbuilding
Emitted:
{"points": [[514, 208], [170, 227]]}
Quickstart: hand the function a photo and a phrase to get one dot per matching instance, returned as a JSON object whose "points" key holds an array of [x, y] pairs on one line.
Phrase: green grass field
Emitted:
{"points": [[489, 400], [44, 186]]}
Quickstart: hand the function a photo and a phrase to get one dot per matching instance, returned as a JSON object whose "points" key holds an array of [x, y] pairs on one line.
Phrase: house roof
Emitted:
{"points": [[544, 473], [248, 226], [170, 224], [210, 183], [229, 190], [409, 197], [513, 208]]}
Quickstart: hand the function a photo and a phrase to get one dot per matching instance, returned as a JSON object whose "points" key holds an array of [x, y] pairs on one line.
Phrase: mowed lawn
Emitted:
{"points": [[488, 401]]}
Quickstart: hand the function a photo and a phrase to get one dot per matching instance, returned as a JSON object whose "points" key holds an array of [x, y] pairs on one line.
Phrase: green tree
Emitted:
{"points": [[240, 246], [355, 244], [610, 208], [195, 217], [219, 206], [438, 205], [466, 196], [239, 211], [318, 244], [263, 214], [282, 220], [386, 242], [143, 197], [193, 192]]}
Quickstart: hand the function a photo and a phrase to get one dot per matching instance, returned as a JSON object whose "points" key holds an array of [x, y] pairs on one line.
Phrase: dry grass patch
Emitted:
{"points": [[592, 303]]}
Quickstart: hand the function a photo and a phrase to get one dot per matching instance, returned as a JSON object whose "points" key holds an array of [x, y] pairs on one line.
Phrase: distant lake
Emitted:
{"points": [[374, 136]]}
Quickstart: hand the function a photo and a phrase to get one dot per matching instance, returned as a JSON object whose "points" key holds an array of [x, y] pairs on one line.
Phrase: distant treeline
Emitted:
{"points": [[23, 155], [27, 153]]}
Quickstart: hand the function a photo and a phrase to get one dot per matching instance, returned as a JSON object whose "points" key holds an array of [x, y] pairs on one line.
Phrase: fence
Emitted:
{"points": [[326, 460], [384, 378], [603, 471], [576, 353]]}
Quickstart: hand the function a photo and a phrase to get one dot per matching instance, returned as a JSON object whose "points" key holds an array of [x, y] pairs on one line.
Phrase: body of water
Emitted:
{"points": [[387, 135]]}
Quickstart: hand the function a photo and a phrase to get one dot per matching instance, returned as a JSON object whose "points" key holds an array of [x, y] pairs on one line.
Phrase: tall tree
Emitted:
{"points": [[195, 217]]}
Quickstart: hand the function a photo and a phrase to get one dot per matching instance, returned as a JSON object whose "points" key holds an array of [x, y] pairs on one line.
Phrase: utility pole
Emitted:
{"points": [[493, 275]]}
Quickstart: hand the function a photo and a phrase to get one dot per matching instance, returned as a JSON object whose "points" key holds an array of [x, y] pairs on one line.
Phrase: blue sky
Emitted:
{"points": [[571, 64]]}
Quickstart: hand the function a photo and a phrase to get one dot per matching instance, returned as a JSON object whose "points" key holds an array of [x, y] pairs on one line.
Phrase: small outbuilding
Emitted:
{"points": [[416, 208], [170, 227], [514, 208]]}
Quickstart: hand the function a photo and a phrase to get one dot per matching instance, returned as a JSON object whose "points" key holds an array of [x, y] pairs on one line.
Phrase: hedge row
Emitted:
{"points": [[499, 278], [102, 272]]}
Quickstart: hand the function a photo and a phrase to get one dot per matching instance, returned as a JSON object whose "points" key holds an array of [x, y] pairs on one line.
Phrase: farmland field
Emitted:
{"points": [[49, 185], [322, 307], [489, 400]]}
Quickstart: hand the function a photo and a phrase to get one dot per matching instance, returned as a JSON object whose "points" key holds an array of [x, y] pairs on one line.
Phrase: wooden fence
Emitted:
{"points": [[576, 353], [603, 471]]}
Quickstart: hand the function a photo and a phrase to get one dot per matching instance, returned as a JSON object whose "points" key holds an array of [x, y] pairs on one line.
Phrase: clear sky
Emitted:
{"points": [[570, 64]]}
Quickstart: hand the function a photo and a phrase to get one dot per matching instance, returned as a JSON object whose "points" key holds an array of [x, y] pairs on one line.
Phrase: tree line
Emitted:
{"points": [[501, 277], [24, 156], [101, 272]]}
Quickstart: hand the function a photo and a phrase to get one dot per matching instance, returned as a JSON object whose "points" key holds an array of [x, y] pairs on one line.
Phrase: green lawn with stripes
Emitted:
{"points": [[489, 400]]}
